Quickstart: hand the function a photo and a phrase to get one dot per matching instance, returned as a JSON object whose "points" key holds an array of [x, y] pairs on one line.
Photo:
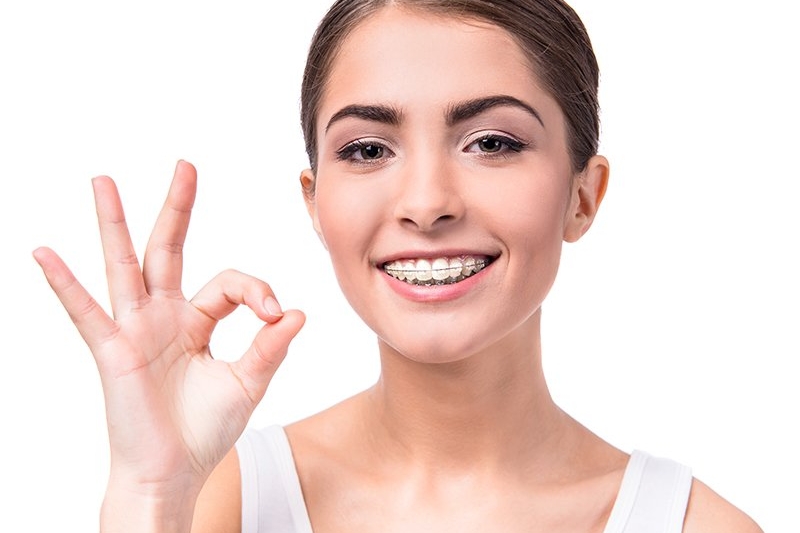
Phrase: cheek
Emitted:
{"points": [[332, 226], [528, 216], [347, 215], [526, 207]]}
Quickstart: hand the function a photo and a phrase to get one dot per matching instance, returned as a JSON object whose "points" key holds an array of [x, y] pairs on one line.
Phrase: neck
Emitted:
{"points": [[485, 410]]}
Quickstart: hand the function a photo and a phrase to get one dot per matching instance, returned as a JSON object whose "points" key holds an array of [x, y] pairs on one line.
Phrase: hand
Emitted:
{"points": [[173, 411]]}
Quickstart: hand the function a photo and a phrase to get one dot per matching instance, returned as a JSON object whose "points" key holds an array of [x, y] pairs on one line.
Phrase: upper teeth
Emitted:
{"points": [[437, 271]]}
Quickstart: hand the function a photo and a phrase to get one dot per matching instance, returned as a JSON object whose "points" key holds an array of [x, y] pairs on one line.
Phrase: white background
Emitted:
{"points": [[672, 327]]}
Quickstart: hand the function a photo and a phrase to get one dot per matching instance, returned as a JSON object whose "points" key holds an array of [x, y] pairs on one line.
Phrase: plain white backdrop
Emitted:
{"points": [[672, 327]]}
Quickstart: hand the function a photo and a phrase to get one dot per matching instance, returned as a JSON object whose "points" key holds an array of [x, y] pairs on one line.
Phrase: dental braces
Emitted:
{"points": [[479, 265]]}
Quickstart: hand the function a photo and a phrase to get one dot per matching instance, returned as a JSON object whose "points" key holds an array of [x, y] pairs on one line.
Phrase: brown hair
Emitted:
{"points": [[549, 32]]}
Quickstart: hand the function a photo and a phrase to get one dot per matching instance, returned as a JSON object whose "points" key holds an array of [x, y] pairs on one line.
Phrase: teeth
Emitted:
{"points": [[455, 265], [423, 270], [406, 271], [469, 266], [439, 271]]}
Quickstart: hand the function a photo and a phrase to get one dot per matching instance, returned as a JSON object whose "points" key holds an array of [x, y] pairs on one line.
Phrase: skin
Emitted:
{"points": [[460, 432], [173, 411]]}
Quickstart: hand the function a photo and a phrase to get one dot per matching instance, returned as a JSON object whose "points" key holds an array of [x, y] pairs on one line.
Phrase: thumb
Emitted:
{"points": [[260, 362]]}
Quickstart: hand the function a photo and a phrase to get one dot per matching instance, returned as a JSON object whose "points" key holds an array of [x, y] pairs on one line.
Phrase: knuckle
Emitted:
{"points": [[257, 285], [138, 303], [83, 309], [175, 248], [267, 360], [246, 281], [128, 259], [179, 209], [118, 220], [109, 335], [229, 273]]}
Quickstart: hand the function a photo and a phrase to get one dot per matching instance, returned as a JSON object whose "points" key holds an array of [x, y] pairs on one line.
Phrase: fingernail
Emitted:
{"points": [[272, 306]]}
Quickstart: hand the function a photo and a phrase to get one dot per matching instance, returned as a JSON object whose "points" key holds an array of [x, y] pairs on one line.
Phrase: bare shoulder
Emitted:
{"points": [[219, 505], [708, 512]]}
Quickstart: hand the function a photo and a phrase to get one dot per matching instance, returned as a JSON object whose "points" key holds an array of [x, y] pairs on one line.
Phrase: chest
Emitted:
{"points": [[559, 510]]}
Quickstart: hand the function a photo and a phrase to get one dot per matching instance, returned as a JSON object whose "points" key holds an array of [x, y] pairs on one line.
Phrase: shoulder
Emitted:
{"points": [[708, 512], [219, 505]]}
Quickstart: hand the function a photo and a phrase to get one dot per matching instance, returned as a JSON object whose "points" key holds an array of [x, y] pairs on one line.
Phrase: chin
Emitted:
{"points": [[435, 347], [426, 355]]}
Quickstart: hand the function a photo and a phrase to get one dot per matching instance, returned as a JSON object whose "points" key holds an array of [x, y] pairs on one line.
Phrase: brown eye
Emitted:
{"points": [[494, 144], [490, 144], [364, 152], [371, 151]]}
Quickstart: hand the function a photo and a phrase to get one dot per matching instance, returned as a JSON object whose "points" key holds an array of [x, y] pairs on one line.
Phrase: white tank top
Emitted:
{"points": [[652, 497]]}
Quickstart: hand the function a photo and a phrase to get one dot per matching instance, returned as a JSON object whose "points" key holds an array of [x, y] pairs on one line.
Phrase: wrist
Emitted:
{"points": [[147, 509]]}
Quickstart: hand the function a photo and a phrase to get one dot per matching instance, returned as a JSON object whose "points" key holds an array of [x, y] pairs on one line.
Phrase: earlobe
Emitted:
{"points": [[308, 185], [587, 194]]}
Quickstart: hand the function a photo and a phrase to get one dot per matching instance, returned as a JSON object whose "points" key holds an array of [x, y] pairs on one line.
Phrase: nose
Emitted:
{"points": [[429, 196]]}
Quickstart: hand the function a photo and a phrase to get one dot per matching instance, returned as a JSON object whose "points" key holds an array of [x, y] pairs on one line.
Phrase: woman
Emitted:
{"points": [[452, 150]]}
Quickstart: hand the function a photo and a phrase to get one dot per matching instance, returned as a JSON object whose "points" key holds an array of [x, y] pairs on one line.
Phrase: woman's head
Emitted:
{"points": [[444, 186], [548, 31]]}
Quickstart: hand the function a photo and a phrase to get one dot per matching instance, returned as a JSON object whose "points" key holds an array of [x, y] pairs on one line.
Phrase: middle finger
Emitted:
{"points": [[163, 259]]}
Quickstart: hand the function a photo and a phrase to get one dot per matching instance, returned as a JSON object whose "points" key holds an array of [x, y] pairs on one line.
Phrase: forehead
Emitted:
{"points": [[422, 61]]}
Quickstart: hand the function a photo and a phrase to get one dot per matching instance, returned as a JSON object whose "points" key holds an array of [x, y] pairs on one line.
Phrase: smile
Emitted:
{"points": [[439, 271]]}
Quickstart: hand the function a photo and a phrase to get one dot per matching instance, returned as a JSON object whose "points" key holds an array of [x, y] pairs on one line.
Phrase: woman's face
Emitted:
{"points": [[444, 186]]}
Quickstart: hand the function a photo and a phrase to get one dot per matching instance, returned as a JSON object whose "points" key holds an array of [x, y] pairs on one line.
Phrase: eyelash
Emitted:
{"points": [[506, 144], [350, 150]]}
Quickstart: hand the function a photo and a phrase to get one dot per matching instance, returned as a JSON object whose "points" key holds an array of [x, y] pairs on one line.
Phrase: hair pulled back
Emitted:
{"points": [[549, 33]]}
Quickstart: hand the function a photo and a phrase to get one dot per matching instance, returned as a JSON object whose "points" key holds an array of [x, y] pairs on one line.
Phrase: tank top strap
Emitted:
{"points": [[272, 499], [652, 498]]}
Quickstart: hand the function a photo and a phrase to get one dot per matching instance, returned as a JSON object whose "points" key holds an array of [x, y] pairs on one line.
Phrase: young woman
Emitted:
{"points": [[452, 150]]}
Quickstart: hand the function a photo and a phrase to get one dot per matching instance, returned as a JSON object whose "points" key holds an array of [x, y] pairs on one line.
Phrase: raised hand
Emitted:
{"points": [[173, 411]]}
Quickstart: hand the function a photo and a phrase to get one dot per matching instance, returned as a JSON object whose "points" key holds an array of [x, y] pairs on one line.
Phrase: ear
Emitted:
{"points": [[588, 190], [308, 185]]}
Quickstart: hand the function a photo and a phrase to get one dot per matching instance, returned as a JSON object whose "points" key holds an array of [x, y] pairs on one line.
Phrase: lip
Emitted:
{"points": [[435, 293]]}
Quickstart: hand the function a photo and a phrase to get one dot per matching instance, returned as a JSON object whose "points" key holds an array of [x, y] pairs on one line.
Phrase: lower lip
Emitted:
{"points": [[435, 293]]}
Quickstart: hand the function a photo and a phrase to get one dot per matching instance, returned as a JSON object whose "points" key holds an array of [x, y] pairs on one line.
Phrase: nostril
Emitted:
{"points": [[421, 224]]}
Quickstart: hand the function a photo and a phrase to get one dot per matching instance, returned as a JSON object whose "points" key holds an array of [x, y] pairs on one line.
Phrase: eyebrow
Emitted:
{"points": [[375, 113], [455, 113], [466, 110]]}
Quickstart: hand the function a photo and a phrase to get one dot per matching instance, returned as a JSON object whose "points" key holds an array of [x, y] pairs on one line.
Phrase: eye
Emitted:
{"points": [[490, 144], [363, 151], [493, 143]]}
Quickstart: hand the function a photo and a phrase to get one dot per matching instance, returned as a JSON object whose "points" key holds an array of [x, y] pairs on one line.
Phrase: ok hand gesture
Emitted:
{"points": [[173, 411]]}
